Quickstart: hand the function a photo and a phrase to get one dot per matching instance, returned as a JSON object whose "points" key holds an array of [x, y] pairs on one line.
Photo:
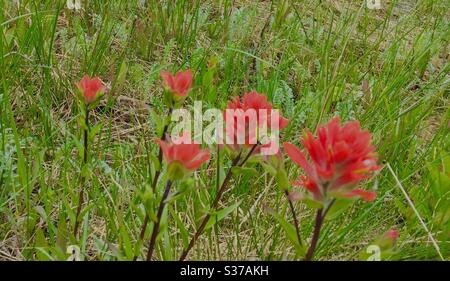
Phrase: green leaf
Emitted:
{"points": [[41, 245], [61, 236], [155, 161], [94, 131], [219, 215], [126, 243], [93, 105], [120, 80], [312, 203], [440, 182], [157, 120], [339, 206], [167, 247], [183, 231], [282, 179], [269, 168], [245, 171], [291, 233]]}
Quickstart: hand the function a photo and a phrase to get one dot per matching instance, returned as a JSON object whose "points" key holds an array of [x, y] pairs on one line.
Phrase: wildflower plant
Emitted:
{"points": [[320, 131], [176, 89], [242, 143], [181, 159], [340, 157], [334, 162], [90, 91]]}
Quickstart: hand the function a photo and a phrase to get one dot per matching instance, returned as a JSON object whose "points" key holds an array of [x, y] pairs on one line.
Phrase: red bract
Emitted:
{"points": [[339, 158], [180, 83], [90, 88], [189, 156], [392, 234], [257, 102], [263, 111]]}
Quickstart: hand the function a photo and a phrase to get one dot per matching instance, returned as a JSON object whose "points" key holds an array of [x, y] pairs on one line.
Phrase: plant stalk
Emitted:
{"points": [[83, 177], [320, 217], [162, 204], [294, 217], [316, 234], [216, 201], [154, 182]]}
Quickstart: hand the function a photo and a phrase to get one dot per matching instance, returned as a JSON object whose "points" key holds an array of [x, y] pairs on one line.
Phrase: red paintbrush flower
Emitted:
{"points": [[392, 234], [90, 88], [339, 158], [183, 158], [255, 112], [257, 102], [179, 84]]}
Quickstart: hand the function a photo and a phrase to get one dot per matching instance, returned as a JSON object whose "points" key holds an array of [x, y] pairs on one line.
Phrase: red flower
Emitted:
{"points": [[341, 157], [241, 111], [257, 102], [366, 195], [183, 157], [90, 88], [180, 83], [392, 234]]}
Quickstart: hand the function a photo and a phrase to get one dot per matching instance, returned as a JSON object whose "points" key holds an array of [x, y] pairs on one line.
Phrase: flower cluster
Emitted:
{"points": [[183, 158], [178, 85], [257, 115], [334, 161], [91, 88], [340, 157]]}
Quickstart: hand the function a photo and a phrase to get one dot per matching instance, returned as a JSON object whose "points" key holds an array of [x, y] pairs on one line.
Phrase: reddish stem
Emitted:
{"points": [[154, 182], [162, 204], [294, 217], [216, 201]]}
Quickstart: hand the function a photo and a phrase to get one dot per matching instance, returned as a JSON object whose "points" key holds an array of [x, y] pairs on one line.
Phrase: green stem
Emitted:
{"points": [[83, 177]]}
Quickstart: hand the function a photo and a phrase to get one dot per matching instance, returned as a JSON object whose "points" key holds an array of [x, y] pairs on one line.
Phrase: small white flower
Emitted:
{"points": [[73, 5]]}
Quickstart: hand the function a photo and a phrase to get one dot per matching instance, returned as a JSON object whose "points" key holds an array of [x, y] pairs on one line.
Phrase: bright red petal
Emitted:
{"points": [[298, 157], [365, 195], [200, 158]]}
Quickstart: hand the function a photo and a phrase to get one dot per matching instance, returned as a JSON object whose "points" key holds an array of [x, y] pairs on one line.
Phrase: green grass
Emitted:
{"points": [[387, 68]]}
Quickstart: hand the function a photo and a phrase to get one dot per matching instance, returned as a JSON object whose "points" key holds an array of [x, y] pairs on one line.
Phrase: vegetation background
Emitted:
{"points": [[388, 68]]}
